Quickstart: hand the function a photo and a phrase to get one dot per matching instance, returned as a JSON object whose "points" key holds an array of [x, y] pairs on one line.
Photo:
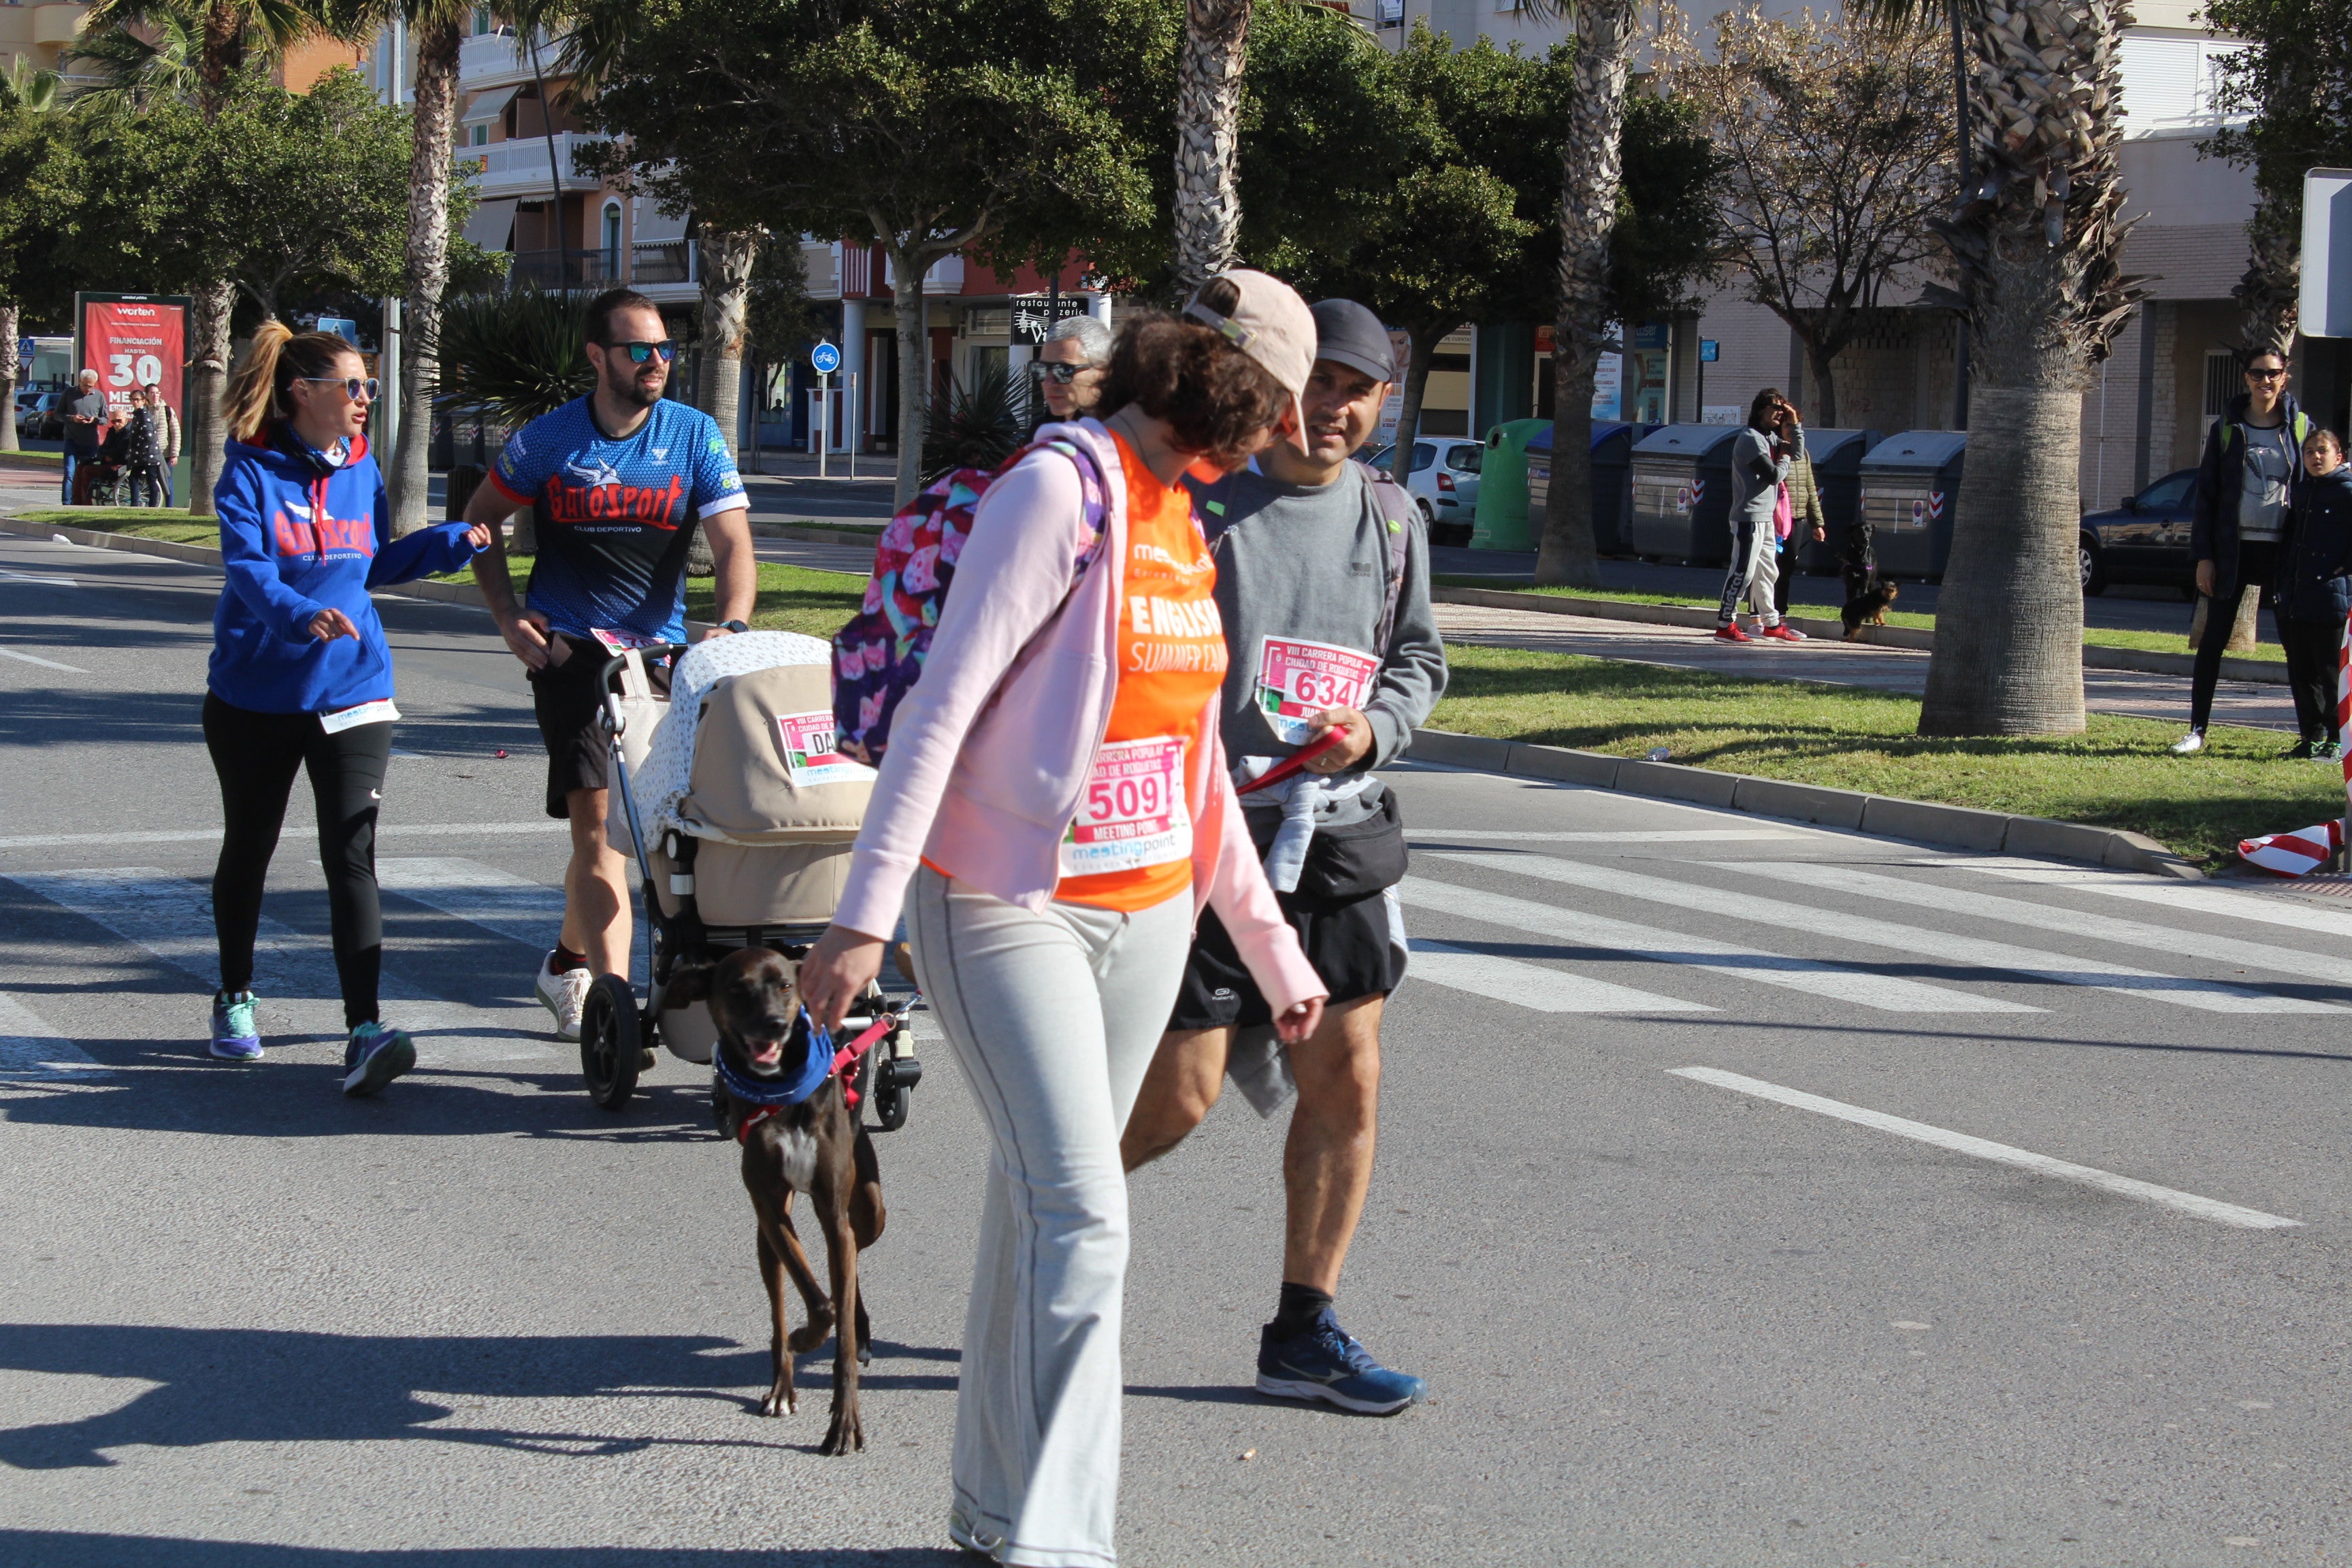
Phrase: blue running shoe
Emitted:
{"points": [[234, 1039], [375, 1057], [1326, 1363]]}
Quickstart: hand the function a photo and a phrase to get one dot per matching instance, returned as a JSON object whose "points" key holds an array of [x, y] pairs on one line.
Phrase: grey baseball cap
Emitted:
{"points": [[1347, 333]]}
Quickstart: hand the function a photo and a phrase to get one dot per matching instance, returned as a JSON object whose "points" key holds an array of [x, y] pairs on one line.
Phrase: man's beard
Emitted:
{"points": [[640, 393]]}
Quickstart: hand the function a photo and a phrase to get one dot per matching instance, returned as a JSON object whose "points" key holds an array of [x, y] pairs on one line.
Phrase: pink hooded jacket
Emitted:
{"points": [[990, 751]]}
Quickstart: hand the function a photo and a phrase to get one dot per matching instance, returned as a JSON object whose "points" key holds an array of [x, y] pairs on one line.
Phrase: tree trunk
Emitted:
{"points": [[1592, 172], [914, 369], [208, 356], [2270, 293], [726, 263], [435, 137], [563, 279], [2008, 657], [2245, 624], [7, 375], [1208, 116], [1823, 414], [1416, 390]]}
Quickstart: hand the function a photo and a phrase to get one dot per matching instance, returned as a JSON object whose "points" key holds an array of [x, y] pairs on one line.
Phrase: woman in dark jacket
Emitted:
{"points": [[2311, 591], [145, 434]]}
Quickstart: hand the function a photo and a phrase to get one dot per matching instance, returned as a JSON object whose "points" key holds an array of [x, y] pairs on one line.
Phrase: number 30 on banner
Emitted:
{"points": [[147, 371]]}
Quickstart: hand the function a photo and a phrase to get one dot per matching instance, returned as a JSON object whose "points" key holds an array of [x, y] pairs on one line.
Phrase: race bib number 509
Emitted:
{"points": [[1133, 813], [1297, 679]]}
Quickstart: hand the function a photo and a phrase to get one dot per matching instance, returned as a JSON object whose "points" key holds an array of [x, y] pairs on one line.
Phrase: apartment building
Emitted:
{"points": [[2167, 379]]}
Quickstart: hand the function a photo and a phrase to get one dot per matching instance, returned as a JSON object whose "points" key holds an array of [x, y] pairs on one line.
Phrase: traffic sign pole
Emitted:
{"points": [[824, 359]]}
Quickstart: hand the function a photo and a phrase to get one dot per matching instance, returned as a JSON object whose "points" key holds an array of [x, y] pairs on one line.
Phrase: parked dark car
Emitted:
{"points": [[2144, 539], [40, 415]]}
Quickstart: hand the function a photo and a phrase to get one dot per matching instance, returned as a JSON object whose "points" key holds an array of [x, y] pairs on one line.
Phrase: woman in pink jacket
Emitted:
{"points": [[1052, 815]]}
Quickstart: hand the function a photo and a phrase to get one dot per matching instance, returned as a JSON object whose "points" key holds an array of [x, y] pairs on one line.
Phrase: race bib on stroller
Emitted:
{"points": [[1297, 679], [810, 757], [1133, 813]]}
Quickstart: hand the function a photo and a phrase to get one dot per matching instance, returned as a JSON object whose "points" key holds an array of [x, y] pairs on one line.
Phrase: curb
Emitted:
{"points": [[2143, 661], [205, 555], [1882, 816], [813, 533]]}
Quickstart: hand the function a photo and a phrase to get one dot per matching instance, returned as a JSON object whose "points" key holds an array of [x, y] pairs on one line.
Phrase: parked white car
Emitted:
{"points": [[1444, 480]]}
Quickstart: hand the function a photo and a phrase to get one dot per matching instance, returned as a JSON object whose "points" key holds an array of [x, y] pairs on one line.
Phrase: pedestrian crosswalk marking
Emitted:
{"points": [[511, 906], [1888, 993], [1999, 1154], [2266, 909], [1945, 947], [170, 917], [29, 1048], [1937, 895], [1533, 985]]}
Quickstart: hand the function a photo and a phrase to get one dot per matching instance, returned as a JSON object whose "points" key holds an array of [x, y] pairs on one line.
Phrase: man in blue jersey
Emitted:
{"points": [[617, 481]]}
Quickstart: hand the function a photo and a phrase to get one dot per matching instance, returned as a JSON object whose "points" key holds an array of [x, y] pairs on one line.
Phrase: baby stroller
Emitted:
{"points": [[741, 818]]}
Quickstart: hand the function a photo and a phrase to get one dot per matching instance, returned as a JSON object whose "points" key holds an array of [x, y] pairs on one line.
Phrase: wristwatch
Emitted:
{"points": [[733, 627]]}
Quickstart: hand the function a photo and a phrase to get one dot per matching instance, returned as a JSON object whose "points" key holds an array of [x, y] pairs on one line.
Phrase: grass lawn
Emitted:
{"points": [[36, 459], [2097, 636], [2118, 775], [145, 522]]}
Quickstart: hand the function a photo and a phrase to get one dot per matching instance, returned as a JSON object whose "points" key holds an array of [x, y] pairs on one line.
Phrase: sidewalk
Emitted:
{"points": [[1835, 663]]}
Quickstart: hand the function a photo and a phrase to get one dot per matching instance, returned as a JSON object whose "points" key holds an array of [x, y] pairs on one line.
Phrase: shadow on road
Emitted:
{"points": [[251, 1386], [68, 1549]]}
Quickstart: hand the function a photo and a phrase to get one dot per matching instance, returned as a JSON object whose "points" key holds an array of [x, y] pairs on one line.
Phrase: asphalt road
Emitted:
{"points": [[1748, 1194]]}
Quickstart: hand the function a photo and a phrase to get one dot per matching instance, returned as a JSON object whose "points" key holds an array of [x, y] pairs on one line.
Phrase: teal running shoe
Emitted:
{"points": [[377, 1055], [235, 1037]]}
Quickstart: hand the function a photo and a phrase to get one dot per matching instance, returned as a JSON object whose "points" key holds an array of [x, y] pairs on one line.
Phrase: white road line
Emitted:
{"points": [[1532, 986], [1887, 994], [1999, 1154], [170, 917], [6, 577], [498, 901], [6, 652], [1937, 895], [1678, 836], [2267, 910], [211, 835], [1945, 947], [30, 1048]]}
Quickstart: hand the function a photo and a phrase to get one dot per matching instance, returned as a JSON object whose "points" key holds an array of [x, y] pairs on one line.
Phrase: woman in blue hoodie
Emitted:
{"points": [[301, 677]]}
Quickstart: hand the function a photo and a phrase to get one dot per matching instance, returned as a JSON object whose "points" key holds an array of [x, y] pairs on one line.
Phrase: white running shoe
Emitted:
{"points": [[2192, 742], [564, 994]]}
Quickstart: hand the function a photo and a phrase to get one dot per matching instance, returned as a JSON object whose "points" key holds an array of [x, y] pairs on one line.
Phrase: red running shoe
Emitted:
{"points": [[1729, 632], [1781, 634]]}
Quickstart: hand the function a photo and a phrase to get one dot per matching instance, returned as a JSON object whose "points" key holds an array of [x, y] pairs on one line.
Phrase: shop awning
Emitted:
{"points": [[492, 224], [652, 226], [489, 105]]}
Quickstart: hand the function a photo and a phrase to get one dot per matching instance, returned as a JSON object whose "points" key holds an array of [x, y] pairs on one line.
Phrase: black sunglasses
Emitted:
{"points": [[357, 388], [2266, 372], [1063, 373], [640, 352]]}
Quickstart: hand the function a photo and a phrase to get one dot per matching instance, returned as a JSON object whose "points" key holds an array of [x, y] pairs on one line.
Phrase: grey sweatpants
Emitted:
{"points": [[1053, 1017], [1755, 567]]}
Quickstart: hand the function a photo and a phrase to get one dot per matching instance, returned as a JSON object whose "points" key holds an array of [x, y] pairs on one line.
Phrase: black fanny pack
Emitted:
{"points": [[1344, 864]]}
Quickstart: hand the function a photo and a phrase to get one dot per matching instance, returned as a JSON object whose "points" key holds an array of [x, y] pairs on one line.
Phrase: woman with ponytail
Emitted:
{"points": [[301, 676]]}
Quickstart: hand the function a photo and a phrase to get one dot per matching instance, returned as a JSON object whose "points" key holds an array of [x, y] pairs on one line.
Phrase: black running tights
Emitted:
{"points": [[2253, 566], [255, 755]]}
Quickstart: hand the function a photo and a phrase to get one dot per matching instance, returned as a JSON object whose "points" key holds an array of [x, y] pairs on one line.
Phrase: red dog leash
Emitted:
{"points": [[1292, 763], [845, 1060]]}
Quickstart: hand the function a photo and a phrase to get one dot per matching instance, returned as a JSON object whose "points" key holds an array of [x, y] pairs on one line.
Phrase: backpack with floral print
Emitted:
{"points": [[878, 656]]}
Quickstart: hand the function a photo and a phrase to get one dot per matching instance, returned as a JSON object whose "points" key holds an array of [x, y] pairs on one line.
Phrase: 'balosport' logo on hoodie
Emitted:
{"points": [[595, 492], [301, 532]]}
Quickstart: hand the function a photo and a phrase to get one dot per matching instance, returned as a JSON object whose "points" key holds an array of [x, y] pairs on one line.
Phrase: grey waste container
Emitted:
{"points": [[1613, 481], [1682, 494], [1837, 471], [1910, 490]]}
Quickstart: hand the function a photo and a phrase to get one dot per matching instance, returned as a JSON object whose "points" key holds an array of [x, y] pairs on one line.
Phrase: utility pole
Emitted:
{"points": [[1960, 107], [384, 419]]}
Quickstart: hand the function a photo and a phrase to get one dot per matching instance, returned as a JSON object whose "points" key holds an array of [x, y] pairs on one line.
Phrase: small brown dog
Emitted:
{"points": [[777, 1095], [1867, 606]]}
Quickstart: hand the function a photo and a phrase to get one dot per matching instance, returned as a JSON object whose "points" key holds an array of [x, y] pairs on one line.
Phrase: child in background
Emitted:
{"points": [[2312, 591]]}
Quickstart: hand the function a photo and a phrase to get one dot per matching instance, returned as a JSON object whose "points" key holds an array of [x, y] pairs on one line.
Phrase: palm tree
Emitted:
{"points": [[2037, 242], [24, 91], [196, 48], [1208, 120], [1592, 178]]}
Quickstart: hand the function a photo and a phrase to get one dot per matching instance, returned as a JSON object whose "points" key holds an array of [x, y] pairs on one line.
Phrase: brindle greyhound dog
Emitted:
{"points": [[813, 1144]]}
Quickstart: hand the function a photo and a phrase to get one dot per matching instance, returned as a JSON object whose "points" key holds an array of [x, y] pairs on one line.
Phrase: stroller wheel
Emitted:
{"points": [[610, 1055], [894, 1080]]}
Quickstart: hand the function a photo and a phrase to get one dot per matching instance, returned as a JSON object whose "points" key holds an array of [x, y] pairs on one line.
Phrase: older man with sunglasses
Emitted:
{"points": [[618, 480], [1070, 364]]}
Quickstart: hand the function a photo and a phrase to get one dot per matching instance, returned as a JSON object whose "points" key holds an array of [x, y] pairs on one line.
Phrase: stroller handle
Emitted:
{"points": [[610, 714]]}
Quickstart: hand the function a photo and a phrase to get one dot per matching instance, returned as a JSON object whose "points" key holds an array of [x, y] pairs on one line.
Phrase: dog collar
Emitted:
{"points": [[816, 1067]]}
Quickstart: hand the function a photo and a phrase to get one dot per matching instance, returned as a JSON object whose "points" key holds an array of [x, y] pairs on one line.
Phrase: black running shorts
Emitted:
{"points": [[567, 697], [1348, 944]]}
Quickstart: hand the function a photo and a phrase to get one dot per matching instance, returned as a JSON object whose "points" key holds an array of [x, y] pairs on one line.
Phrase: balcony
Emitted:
{"points": [[565, 268], [489, 59], [519, 168], [57, 24], [664, 261]]}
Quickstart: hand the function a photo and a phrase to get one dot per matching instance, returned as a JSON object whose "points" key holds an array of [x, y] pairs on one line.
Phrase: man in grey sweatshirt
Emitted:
{"points": [[1761, 456], [1329, 628]]}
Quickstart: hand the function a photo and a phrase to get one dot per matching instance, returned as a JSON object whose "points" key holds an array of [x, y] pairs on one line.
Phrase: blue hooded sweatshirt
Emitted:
{"points": [[298, 535]]}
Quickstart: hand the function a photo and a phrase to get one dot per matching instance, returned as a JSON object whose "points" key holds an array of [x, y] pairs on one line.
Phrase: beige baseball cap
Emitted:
{"points": [[1269, 322]]}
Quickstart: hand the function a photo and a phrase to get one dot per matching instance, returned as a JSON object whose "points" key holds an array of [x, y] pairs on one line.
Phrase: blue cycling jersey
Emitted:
{"points": [[613, 516]]}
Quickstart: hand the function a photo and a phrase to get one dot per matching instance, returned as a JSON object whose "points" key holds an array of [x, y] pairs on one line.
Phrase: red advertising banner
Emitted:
{"points": [[134, 343]]}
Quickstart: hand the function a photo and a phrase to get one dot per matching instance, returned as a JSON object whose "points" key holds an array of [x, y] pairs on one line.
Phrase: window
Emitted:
{"points": [[2221, 381], [612, 246], [1424, 454], [481, 21], [1465, 459], [2168, 492], [477, 136]]}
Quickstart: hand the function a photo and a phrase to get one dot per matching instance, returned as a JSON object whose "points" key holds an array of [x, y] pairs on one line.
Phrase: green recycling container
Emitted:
{"points": [[1501, 523]]}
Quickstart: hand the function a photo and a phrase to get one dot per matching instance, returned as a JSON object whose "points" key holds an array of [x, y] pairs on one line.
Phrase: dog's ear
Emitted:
{"points": [[688, 986]]}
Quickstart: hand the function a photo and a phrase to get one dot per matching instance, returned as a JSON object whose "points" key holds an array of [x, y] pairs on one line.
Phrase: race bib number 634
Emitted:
{"points": [[1297, 679]]}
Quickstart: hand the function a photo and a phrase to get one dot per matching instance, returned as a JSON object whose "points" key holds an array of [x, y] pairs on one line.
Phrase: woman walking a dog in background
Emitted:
{"points": [[301, 675], [1053, 814]]}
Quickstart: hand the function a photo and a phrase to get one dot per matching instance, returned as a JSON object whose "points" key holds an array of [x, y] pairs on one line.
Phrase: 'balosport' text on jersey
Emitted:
{"points": [[613, 516]]}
